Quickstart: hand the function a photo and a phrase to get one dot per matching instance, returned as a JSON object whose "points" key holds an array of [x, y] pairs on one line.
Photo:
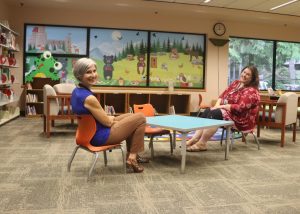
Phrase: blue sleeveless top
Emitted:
{"points": [[77, 101]]}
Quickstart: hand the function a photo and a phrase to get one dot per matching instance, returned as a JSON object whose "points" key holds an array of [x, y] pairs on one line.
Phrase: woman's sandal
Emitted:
{"points": [[133, 165], [195, 148], [141, 159], [192, 142]]}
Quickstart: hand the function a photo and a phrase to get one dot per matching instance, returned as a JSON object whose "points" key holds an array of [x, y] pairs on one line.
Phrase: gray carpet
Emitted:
{"points": [[34, 177]]}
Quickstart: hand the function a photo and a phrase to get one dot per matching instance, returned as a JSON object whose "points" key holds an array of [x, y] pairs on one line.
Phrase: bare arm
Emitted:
{"points": [[217, 105], [93, 105]]}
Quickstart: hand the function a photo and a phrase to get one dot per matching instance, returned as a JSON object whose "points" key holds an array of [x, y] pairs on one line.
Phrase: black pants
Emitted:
{"points": [[212, 114]]}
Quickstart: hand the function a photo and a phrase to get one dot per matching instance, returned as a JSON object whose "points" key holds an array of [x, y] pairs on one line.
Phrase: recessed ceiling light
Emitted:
{"points": [[284, 4], [206, 1]]}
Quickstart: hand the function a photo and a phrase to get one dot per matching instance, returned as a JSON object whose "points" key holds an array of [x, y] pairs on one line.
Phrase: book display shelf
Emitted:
{"points": [[9, 108], [122, 102], [34, 103]]}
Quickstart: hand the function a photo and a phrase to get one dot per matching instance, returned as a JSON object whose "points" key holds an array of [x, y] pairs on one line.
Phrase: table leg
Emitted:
{"points": [[174, 139], [183, 151], [227, 142]]}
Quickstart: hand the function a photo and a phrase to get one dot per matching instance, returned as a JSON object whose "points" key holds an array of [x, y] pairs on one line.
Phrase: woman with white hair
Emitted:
{"points": [[110, 130]]}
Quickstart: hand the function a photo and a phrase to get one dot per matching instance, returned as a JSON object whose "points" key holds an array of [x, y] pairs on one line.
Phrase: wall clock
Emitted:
{"points": [[219, 29]]}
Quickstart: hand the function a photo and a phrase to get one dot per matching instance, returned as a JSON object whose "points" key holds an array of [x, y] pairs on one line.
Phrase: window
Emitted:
{"points": [[287, 73], [243, 52], [278, 62]]}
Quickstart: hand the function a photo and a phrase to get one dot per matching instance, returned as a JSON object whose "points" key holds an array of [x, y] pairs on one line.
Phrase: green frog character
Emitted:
{"points": [[45, 66]]}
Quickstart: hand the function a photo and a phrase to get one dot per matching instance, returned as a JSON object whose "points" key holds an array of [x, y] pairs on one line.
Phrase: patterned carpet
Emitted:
{"points": [[34, 177]]}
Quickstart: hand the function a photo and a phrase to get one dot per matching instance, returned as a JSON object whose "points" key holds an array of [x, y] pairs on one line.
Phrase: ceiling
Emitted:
{"points": [[224, 10], [292, 9]]}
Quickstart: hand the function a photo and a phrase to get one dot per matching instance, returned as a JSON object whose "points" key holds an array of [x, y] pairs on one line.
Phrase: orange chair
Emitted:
{"points": [[84, 134], [203, 106], [151, 132]]}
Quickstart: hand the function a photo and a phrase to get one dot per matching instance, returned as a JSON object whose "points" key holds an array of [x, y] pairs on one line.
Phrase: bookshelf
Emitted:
{"points": [[9, 108]]}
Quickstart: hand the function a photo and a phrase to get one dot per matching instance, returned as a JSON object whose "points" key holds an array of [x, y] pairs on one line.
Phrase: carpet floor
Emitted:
{"points": [[34, 176]]}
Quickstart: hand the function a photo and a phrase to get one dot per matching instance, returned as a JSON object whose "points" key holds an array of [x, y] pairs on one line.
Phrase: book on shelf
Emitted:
{"points": [[31, 98], [110, 110], [30, 110]]}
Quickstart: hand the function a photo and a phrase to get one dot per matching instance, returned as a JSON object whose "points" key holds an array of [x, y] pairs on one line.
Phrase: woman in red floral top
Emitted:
{"points": [[239, 103]]}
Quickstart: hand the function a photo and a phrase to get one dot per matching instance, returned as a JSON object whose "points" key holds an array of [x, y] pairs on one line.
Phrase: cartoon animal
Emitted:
{"points": [[108, 68], [45, 66], [174, 54], [141, 64], [182, 80], [164, 66]]}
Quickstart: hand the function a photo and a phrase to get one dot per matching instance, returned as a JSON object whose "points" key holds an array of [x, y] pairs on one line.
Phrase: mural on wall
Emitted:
{"points": [[64, 73], [126, 58], [178, 59], [57, 40], [120, 56], [43, 66]]}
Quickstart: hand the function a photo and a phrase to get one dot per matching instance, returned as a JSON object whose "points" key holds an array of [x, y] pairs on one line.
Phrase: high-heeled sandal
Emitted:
{"points": [[133, 165]]}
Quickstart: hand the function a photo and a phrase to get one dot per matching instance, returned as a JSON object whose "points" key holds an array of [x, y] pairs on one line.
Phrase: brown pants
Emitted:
{"points": [[129, 127]]}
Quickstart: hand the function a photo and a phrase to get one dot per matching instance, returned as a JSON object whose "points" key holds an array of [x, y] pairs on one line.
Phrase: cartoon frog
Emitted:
{"points": [[45, 66]]}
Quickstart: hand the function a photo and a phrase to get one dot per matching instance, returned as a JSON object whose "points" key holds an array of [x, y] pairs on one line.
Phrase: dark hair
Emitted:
{"points": [[255, 77]]}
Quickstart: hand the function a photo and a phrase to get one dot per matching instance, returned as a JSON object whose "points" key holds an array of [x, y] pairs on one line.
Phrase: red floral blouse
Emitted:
{"points": [[244, 105]]}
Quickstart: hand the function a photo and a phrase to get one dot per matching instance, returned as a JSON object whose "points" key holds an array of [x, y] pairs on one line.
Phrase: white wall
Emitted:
{"points": [[217, 58]]}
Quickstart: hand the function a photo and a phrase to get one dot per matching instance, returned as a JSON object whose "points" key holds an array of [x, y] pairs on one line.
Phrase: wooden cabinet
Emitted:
{"points": [[9, 108], [34, 103], [123, 101]]}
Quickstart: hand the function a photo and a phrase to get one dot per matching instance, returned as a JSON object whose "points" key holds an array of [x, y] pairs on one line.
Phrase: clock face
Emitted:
{"points": [[219, 29]]}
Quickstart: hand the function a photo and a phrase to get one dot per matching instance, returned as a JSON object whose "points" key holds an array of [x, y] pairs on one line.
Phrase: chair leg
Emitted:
{"points": [[256, 140], [294, 132], [72, 157], [171, 143], [44, 117], [221, 141], [93, 164], [105, 158], [232, 139], [244, 137], [48, 127], [123, 157], [258, 131], [174, 139], [282, 136], [151, 147]]}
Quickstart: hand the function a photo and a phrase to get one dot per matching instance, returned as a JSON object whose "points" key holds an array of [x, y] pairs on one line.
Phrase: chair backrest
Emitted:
{"points": [[48, 90], [200, 99], [147, 109], [64, 88], [291, 100], [85, 130]]}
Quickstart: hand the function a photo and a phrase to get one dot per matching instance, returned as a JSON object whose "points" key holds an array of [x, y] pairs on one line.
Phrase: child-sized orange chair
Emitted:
{"points": [[151, 132], [85, 132]]}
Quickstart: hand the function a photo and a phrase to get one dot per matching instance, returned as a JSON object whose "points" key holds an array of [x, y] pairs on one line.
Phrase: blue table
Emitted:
{"points": [[186, 124]]}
